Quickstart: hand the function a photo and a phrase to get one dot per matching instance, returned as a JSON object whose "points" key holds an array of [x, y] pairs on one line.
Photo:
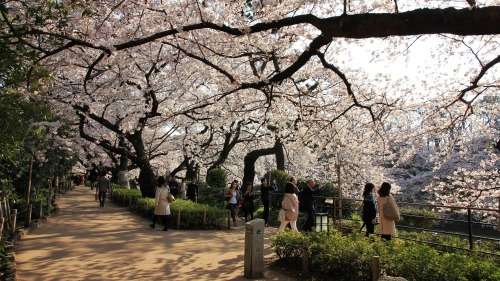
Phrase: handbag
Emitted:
{"points": [[390, 212], [281, 215], [170, 198]]}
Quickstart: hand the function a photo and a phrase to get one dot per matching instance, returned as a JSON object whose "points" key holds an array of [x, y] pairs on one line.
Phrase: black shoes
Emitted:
{"points": [[152, 226]]}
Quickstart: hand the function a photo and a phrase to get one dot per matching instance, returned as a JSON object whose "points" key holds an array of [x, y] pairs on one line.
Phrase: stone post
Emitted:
{"points": [[254, 249]]}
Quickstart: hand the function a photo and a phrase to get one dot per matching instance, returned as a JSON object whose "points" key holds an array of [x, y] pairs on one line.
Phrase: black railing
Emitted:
{"points": [[464, 224]]}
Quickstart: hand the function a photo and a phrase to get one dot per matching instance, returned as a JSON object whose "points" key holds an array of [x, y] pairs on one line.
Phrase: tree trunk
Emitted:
{"points": [[280, 155]]}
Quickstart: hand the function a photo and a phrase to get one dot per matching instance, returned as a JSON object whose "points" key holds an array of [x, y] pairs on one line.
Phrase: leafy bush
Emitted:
{"points": [[418, 218], [217, 178], [288, 245], [349, 257], [281, 178]]}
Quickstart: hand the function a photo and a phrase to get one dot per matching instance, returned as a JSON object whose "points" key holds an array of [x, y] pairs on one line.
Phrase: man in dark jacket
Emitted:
{"points": [[308, 204], [192, 191], [266, 198]]}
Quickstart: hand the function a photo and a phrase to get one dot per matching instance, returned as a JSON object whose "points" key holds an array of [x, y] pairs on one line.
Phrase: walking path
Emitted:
{"points": [[87, 242]]}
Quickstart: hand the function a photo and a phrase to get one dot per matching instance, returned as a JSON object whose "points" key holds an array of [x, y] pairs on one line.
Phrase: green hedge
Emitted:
{"points": [[349, 257], [192, 215]]}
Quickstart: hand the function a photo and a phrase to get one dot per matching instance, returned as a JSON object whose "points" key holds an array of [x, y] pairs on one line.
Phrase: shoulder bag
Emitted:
{"points": [[390, 212], [281, 215], [170, 197]]}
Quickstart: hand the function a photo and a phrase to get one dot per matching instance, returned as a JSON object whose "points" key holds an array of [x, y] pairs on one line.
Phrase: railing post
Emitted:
{"points": [[469, 220], [2, 221], [14, 220], [28, 215], [376, 268], [334, 213], [305, 258]]}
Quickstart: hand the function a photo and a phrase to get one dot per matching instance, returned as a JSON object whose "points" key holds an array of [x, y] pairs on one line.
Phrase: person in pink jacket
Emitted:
{"points": [[290, 204]]}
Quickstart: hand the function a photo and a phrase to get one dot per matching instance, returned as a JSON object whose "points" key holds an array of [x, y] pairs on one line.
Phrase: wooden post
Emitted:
{"points": [[204, 218], [14, 220], [2, 221], [376, 268], [27, 218], [305, 258], [1, 209], [340, 194], [129, 201], [8, 213], [57, 185], [469, 222], [178, 219], [28, 215]]}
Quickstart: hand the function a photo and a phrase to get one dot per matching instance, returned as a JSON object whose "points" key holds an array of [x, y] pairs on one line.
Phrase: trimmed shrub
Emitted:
{"points": [[192, 215], [217, 178], [349, 257]]}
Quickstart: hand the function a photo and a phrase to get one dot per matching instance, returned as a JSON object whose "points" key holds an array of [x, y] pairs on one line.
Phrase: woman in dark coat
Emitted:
{"points": [[248, 204], [369, 208]]}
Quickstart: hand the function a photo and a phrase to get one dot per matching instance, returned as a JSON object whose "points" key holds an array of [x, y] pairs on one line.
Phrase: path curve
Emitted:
{"points": [[87, 242]]}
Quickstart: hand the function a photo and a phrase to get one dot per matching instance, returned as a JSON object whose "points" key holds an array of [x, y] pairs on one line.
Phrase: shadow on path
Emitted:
{"points": [[87, 242]]}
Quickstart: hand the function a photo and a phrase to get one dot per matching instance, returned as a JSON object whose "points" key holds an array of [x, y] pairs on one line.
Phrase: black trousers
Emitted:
{"points": [[370, 227], [309, 223], [165, 220], [102, 198], [265, 214]]}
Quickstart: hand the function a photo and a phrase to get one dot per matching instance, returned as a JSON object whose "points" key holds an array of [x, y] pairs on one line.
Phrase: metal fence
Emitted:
{"points": [[463, 222]]}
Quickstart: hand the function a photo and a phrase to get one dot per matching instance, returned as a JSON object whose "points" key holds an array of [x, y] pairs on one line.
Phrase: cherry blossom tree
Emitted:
{"points": [[322, 72]]}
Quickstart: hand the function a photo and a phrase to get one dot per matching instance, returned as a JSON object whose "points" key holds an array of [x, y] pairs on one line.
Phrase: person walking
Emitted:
{"points": [[290, 204], [93, 175], [369, 209], [307, 203], [102, 186], [233, 196], [265, 196], [248, 204], [162, 207], [192, 190], [387, 226]]}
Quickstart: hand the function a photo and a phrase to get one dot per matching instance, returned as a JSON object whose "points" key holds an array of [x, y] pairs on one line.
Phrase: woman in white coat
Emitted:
{"points": [[290, 204], [162, 207], [387, 227]]}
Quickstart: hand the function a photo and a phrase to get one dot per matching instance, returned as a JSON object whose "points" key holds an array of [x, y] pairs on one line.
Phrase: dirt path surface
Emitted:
{"points": [[87, 242]]}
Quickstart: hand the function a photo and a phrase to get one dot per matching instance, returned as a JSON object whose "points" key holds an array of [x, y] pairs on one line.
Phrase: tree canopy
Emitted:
{"points": [[176, 84]]}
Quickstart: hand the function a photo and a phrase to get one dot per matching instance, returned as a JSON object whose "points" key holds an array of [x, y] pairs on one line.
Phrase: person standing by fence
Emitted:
{"points": [[308, 204], [265, 196], [192, 191], [248, 205], [369, 209], [162, 207], [387, 225]]}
